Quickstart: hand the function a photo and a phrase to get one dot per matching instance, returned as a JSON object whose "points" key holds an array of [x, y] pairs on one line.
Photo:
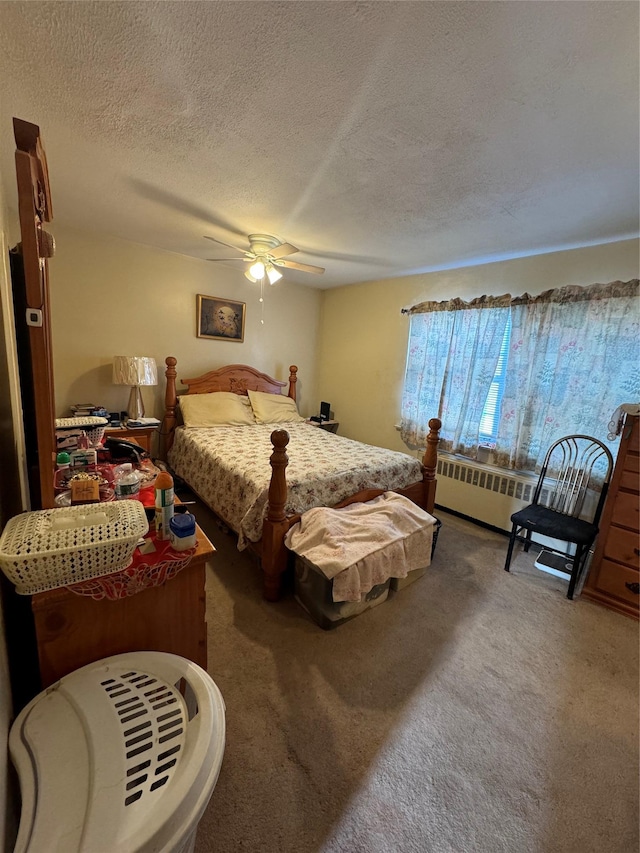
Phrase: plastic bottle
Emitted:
{"points": [[164, 504], [63, 460], [127, 482], [182, 529]]}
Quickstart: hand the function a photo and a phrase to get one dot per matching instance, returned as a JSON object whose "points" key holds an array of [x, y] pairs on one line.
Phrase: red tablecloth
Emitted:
{"points": [[144, 571]]}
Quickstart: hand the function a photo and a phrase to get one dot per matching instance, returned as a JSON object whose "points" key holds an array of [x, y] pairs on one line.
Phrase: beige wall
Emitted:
{"points": [[364, 337], [112, 297]]}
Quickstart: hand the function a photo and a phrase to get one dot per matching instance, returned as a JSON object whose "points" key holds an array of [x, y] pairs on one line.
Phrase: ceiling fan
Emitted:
{"points": [[265, 256]]}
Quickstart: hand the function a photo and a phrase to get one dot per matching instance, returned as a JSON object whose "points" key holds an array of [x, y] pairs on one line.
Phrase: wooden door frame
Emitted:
{"points": [[34, 208]]}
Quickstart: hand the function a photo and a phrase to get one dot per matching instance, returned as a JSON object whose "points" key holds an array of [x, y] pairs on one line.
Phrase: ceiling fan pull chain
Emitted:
{"points": [[262, 301]]}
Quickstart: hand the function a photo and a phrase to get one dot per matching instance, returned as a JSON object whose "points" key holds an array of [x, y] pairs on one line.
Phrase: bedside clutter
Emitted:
{"points": [[323, 420], [142, 435], [329, 426]]}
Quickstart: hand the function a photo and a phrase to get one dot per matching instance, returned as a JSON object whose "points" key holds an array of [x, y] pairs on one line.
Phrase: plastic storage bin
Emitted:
{"points": [[314, 592], [121, 755], [93, 427], [401, 583]]}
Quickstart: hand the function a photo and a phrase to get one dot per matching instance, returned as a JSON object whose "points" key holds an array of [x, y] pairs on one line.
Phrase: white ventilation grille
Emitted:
{"points": [[511, 485], [153, 716]]}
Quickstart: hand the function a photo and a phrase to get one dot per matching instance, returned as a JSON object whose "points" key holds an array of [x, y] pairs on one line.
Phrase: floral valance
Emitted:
{"points": [[568, 294]]}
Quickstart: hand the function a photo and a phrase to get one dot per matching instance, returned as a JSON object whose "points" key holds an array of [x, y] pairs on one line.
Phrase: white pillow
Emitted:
{"points": [[220, 408], [273, 408]]}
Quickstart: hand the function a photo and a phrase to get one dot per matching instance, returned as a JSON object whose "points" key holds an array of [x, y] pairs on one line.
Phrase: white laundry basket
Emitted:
{"points": [[120, 755]]}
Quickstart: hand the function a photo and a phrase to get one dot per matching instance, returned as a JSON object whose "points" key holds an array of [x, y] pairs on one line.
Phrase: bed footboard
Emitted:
{"points": [[274, 553], [276, 524], [424, 492]]}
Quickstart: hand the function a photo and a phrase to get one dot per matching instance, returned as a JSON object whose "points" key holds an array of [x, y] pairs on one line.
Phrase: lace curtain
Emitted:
{"points": [[453, 353], [574, 357]]}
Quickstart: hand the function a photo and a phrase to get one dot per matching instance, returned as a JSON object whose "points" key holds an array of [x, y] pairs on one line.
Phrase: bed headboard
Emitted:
{"points": [[238, 378]]}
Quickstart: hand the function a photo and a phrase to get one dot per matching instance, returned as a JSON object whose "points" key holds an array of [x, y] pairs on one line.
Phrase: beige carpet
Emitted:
{"points": [[473, 711]]}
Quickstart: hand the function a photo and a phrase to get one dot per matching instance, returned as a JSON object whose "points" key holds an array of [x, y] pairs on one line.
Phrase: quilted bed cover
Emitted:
{"points": [[228, 467]]}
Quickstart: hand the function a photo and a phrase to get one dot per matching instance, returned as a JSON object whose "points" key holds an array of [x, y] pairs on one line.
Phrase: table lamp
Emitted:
{"points": [[134, 370]]}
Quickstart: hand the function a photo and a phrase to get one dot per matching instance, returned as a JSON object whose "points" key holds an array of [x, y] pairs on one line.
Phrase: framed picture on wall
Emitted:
{"points": [[220, 319]]}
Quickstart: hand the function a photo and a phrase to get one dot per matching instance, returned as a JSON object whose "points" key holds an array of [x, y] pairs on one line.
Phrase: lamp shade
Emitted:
{"points": [[257, 269], [134, 370], [273, 274]]}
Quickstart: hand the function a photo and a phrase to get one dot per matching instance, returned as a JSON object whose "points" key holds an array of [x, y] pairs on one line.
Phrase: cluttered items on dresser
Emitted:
{"points": [[94, 468]]}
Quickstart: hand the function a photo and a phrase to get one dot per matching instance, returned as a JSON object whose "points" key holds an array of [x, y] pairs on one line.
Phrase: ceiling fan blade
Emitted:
{"points": [[224, 260], [222, 243], [282, 250], [293, 265]]}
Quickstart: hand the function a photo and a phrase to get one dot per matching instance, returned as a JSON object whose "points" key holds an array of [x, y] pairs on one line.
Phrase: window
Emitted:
{"points": [[491, 413], [519, 373]]}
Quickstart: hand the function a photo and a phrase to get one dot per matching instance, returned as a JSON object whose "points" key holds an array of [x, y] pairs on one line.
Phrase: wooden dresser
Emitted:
{"points": [[614, 578], [75, 629]]}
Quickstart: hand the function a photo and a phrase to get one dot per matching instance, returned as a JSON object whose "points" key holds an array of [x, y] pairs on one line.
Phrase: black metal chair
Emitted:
{"points": [[566, 505]]}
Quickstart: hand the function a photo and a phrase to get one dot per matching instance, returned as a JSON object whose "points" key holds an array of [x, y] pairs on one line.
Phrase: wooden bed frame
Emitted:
{"points": [[271, 550]]}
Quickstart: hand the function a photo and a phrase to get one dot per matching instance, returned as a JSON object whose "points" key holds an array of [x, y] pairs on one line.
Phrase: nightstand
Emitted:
{"points": [[141, 435], [329, 426]]}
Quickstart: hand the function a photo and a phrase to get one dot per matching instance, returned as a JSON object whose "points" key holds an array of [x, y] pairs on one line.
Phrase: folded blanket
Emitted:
{"points": [[364, 544]]}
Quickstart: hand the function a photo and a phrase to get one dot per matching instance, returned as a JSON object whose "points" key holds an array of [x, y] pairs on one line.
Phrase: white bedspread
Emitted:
{"points": [[364, 544]]}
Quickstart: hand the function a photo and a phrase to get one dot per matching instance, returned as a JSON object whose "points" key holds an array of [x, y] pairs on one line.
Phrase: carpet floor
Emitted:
{"points": [[474, 710]]}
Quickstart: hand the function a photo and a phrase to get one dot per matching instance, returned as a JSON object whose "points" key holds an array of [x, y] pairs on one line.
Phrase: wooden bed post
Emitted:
{"points": [[170, 403], [293, 378], [430, 463], [274, 553]]}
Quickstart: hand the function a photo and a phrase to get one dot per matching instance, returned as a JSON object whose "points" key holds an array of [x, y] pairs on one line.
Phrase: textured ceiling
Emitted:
{"points": [[381, 138]]}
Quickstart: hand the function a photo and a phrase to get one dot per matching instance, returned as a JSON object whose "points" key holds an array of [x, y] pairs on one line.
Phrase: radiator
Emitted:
{"points": [[483, 493], [491, 495]]}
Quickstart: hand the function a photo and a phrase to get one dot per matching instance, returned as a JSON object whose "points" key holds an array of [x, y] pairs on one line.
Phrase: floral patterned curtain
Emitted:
{"points": [[453, 353], [574, 357]]}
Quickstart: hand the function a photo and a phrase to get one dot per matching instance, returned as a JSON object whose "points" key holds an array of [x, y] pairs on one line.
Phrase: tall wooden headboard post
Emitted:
{"points": [[293, 378], [170, 403]]}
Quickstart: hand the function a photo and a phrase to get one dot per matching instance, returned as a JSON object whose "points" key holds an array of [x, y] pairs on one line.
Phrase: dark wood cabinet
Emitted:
{"points": [[614, 578]]}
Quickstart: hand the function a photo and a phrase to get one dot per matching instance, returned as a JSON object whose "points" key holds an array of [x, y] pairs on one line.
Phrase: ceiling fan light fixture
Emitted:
{"points": [[272, 274], [257, 270], [250, 277]]}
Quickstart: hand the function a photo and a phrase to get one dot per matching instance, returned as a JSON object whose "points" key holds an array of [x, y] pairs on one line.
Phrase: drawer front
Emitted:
{"points": [[629, 479], [626, 510], [619, 581], [623, 546], [632, 464]]}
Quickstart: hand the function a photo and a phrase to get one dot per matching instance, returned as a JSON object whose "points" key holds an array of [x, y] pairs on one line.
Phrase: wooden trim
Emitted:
{"points": [[237, 378], [34, 208]]}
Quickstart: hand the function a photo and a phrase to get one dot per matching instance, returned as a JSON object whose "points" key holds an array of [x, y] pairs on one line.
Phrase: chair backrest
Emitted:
{"points": [[574, 466]]}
